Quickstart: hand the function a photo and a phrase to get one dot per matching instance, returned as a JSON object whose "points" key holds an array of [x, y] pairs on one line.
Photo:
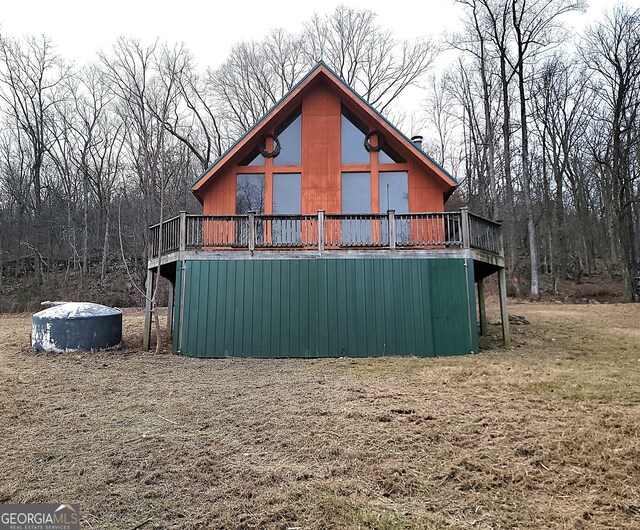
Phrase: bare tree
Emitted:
{"points": [[475, 43], [490, 29], [257, 74], [366, 55], [560, 117], [246, 86], [612, 53], [440, 113], [31, 75], [535, 26], [191, 115], [104, 157], [129, 72]]}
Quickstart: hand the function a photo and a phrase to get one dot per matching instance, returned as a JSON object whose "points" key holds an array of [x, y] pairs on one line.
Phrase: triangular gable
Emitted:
{"points": [[293, 98]]}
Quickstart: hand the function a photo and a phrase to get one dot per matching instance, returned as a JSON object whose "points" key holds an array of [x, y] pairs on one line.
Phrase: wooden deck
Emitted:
{"points": [[262, 236]]}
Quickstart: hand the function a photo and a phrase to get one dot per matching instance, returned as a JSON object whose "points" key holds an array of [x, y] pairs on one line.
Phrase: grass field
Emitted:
{"points": [[544, 435]]}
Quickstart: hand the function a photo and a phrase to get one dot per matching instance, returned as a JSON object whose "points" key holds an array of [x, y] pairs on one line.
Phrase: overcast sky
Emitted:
{"points": [[80, 28]]}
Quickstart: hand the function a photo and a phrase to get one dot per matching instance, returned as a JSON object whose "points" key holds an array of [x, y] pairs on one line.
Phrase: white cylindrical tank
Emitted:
{"points": [[76, 326]]}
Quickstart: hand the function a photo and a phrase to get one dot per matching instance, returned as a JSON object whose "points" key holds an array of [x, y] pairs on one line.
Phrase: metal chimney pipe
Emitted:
{"points": [[417, 141]]}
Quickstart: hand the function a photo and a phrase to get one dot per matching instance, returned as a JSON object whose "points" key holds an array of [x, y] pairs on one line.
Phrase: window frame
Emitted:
{"points": [[373, 167], [269, 168]]}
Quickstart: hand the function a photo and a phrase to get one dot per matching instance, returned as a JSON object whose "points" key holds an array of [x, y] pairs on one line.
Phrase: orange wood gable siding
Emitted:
{"points": [[322, 168], [321, 154]]}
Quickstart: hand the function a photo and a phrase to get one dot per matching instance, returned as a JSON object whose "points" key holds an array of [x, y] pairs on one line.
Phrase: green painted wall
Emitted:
{"points": [[326, 307], [177, 294]]}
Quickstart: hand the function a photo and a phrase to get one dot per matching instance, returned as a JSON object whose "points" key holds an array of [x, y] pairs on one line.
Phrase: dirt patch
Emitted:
{"points": [[545, 435]]}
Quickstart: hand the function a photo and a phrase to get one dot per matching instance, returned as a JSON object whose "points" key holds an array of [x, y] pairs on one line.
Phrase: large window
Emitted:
{"points": [[286, 193], [356, 192], [290, 138], [249, 198], [394, 191], [356, 199], [394, 195], [250, 193], [286, 200]]}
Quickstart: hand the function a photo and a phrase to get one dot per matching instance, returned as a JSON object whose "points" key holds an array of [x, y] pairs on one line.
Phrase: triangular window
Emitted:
{"points": [[253, 159], [290, 137], [353, 135], [387, 156]]}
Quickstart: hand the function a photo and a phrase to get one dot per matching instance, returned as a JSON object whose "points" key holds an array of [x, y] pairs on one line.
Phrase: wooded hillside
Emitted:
{"points": [[540, 126]]}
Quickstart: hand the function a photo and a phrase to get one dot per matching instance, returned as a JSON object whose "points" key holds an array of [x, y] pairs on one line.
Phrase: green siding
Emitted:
{"points": [[326, 308], [177, 290]]}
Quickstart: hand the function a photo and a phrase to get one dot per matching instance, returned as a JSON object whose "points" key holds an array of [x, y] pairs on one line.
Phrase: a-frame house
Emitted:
{"points": [[324, 233]]}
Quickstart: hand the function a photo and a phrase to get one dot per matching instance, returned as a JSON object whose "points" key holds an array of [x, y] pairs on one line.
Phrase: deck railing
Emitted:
{"points": [[483, 234], [170, 241], [326, 231]]}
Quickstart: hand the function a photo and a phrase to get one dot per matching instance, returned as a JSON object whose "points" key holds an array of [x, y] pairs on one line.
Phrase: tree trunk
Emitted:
{"points": [[85, 222], [510, 228], [526, 193], [560, 229], [526, 183], [629, 270], [611, 233], [105, 246]]}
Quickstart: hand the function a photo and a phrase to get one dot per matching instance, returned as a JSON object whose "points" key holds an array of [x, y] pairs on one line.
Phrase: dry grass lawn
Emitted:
{"points": [[545, 435]]}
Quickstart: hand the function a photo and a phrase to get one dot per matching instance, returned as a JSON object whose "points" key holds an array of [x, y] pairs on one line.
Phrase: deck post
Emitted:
{"points": [[320, 230], [252, 230], [504, 311], [392, 229], [464, 221], [183, 230], [170, 311], [146, 333], [482, 311]]}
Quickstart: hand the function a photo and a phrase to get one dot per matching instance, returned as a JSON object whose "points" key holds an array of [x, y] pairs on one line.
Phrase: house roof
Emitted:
{"points": [[322, 70]]}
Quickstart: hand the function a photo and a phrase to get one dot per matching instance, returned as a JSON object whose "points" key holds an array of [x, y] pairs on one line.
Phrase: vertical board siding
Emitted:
{"points": [[326, 308], [321, 155]]}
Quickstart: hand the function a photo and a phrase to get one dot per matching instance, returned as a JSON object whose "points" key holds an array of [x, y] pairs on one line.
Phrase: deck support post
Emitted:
{"points": [[146, 334], [170, 311], [504, 311], [464, 221], [482, 311], [252, 230], [392, 229], [320, 230], [183, 230]]}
